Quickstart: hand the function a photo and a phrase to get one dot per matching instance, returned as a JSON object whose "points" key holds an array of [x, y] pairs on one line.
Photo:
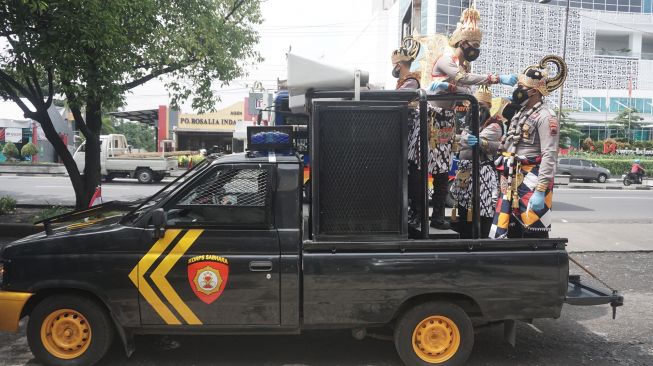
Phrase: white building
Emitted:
{"points": [[609, 47]]}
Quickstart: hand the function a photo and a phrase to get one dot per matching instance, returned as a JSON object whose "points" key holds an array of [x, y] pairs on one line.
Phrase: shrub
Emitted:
{"points": [[618, 166], [7, 205], [29, 150], [51, 211], [10, 151]]}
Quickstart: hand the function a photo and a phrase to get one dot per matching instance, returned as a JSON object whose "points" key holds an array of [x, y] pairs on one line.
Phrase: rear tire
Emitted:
{"points": [[602, 178], [157, 177], [66, 330], [434, 333], [627, 181], [144, 175]]}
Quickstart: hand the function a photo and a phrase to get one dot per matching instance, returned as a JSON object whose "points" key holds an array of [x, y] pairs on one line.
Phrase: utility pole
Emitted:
{"points": [[564, 51]]}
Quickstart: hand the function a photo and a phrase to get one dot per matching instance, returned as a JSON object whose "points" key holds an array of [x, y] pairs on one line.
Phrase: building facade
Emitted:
{"points": [[609, 49]]}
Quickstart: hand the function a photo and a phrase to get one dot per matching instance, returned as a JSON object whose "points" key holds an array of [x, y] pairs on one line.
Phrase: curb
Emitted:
{"points": [[18, 230]]}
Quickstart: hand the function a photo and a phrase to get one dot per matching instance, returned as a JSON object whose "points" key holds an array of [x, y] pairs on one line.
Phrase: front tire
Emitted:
{"points": [[65, 330], [144, 176], [627, 181], [434, 333]]}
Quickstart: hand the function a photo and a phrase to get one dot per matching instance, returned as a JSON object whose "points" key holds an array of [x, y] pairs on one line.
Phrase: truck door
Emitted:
{"points": [[219, 258]]}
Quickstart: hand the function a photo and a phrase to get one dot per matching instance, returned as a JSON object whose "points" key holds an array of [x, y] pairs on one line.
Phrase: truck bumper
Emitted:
{"points": [[12, 304]]}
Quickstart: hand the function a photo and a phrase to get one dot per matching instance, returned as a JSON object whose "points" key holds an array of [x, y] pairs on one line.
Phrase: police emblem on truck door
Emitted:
{"points": [[208, 275]]}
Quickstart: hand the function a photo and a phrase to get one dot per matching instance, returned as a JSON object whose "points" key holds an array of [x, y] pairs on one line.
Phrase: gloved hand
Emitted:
{"points": [[437, 86], [472, 140], [536, 202], [510, 79]]}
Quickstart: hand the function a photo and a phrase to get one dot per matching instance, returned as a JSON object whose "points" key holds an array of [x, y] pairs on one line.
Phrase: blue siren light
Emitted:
{"points": [[261, 138]]}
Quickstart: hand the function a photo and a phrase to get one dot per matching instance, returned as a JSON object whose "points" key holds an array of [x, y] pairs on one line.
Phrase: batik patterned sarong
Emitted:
{"points": [[508, 213]]}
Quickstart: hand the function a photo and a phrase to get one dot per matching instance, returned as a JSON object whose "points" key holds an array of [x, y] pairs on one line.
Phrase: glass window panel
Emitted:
{"points": [[635, 9], [635, 3], [610, 7], [441, 19], [624, 8]]}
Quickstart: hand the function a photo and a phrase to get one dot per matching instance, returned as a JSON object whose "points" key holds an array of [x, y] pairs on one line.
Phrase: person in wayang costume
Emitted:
{"points": [[490, 139], [402, 59], [451, 74], [529, 156]]}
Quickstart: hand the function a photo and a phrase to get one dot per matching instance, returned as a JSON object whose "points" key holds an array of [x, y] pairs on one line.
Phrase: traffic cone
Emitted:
{"points": [[97, 197]]}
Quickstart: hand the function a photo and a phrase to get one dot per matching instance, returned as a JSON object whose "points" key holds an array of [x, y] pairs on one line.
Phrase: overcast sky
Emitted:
{"points": [[333, 31]]}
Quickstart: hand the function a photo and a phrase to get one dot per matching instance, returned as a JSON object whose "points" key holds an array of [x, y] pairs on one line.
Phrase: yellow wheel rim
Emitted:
{"points": [[66, 334], [436, 339]]}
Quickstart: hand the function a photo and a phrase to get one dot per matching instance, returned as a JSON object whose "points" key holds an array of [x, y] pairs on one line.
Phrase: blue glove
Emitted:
{"points": [[437, 86], [510, 79], [472, 140], [536, 202]]}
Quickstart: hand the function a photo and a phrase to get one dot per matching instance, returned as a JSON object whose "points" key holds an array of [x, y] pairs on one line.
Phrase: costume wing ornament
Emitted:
{"points": [[556, 81], [432, 48]]}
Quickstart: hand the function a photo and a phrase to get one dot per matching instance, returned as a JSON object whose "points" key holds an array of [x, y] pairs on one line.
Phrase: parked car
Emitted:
{"points": [[582, 169]]}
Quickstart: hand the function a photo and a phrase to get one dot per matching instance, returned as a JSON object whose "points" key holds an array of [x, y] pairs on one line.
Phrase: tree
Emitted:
{"points": [[29, 150], [139, 135], [10, 151], [628, 119], [94, 51], [569, 131]]}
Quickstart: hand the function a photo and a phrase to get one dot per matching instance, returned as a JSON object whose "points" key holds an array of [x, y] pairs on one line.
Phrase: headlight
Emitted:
{"points": [[2, 273]]}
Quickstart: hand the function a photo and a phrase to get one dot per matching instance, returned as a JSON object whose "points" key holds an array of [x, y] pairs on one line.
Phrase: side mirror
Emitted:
{"points": [[159, 219]]}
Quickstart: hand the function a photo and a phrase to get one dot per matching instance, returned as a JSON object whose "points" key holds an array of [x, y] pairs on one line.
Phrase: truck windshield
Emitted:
{"points": [[144, 207]]}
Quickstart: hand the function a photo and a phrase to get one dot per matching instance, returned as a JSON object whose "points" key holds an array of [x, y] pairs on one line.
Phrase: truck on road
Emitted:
{"points": [[116, 161], [230, 248]]}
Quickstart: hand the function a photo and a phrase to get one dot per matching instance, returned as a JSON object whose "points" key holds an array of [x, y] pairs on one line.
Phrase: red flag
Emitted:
{"points": [[97, 197]]}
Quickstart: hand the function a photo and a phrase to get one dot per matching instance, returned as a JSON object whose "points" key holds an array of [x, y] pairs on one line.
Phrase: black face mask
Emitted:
{"points": [[520, 95], [395, 72], [471, 53], [510, 110]]}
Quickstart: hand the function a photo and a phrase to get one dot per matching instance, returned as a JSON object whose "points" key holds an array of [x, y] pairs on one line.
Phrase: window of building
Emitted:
{"points": [[227, 197], [647, 6]]}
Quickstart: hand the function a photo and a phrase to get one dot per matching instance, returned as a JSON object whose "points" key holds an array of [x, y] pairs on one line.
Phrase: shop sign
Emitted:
{"points": [[13, 134], [223, 120]]}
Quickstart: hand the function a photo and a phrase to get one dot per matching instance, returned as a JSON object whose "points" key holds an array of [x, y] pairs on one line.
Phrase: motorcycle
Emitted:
{"points": [[632, 178]]}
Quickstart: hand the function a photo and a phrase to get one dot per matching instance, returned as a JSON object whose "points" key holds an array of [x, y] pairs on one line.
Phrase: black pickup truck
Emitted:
{"points": [[230, 248]]}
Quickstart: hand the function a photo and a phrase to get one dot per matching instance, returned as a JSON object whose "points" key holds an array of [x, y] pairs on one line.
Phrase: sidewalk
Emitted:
{"points": [[614, 183]]}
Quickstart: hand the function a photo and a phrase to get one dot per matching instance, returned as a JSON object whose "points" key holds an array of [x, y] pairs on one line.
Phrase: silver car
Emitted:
{"points": [[582, 169]]}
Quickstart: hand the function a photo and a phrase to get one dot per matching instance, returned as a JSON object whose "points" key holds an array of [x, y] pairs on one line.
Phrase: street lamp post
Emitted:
{"points": [[564, 50]]}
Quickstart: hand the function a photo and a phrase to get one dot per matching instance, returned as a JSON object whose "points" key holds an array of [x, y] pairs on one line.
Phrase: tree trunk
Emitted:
{"points": [[92, 173], [66, 157]]}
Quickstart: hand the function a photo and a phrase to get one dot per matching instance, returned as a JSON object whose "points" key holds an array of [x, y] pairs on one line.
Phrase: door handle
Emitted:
{"points": [[260, 266]]}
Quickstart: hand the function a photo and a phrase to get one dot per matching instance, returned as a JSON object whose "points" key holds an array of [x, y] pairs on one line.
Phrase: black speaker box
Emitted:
{"points": [[359, 170]]}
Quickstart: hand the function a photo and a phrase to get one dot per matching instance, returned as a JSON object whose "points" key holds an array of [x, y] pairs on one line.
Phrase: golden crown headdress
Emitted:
{"points": [[484, 94], [468, 27], [407, 52], [537, 76]]}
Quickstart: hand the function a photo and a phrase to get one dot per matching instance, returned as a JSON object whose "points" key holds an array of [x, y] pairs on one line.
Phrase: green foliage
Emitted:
{"points": [[10, 151], [569, 132], [28, 150], [7, 205], [107, 126], [618, 165], [139, 135], [51, 211], [628, 118]]}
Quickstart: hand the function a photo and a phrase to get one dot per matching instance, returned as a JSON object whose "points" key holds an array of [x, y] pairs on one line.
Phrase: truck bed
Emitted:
{"points": [[360, 283]]}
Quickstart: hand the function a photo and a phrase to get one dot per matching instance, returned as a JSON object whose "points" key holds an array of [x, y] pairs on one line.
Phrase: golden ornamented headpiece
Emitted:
{"points": [[537, 76], [468, 27], [484, 94], [407, 52]]}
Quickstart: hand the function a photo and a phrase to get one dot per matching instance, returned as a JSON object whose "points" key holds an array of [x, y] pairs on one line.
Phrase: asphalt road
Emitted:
{"points": [[582, 336], [592, 219]]}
